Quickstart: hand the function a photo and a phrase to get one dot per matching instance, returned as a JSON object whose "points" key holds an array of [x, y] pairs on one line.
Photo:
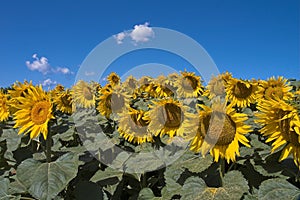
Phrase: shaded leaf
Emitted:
{"points": [[278, 189], [4, 183], [46, 180], [108, 173]]}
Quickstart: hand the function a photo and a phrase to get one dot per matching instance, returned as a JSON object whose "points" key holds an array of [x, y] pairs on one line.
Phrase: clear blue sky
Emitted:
{"points": [[250, 38]]}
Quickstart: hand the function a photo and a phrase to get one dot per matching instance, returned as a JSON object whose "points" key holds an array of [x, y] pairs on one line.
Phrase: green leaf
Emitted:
{"points": [[4, 183], [278, 189], [145, 194], [108, 173], [234, 187], [143, 162], [13, 141], [46, 180]]}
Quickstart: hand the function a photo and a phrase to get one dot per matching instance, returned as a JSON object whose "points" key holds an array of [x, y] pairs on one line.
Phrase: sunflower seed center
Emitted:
{"points": [[40, 112]]}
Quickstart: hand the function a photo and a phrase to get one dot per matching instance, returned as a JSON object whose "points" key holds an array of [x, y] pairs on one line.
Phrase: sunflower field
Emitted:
{"points": [[169, 137]]}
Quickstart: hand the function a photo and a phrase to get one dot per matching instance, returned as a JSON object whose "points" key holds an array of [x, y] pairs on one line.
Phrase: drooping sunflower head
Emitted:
{"points": [[240, 92], [215, 87], [63, 102], [4, 109], [83, 95], [167, 116], [34, 112], [134, 127], [112, 101], [189, 85], [274, 89], [281, 124], [219, 131], [113, 79]]}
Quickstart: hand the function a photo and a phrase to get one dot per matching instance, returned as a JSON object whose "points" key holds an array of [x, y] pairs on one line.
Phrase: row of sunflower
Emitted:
{"points": [[177, 105]]}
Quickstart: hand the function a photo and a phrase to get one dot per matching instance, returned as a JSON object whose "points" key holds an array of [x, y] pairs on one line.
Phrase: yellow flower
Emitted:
{"points": [[163, 89], [281, 124], [219, 130], [240, 92], [133, 127], [4, 109], [189, 85], [34, 112], [215, 87], [167, 116], [113, 79], [111, 101], [18, 90], [63, 101], [274, 89], [130, 85], [83, 95]]}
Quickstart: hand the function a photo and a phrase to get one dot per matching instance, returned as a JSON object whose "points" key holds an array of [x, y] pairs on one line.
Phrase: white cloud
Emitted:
{"points": [[140, 33], [120, 37], [63, 70], [39, 64], [42, 65], [48, 82], [89, 73]]}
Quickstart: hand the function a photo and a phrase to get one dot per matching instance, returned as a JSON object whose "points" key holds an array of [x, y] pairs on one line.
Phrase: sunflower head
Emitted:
{"points": [[130, 85], [4, 109], [112, 101], [240, 92], [113, 79], [219, 131], [274, 89], [280, 124], [134, 127], [189, 85], [63, 102], [215, 87], [167, 116], [34, 112], [83, 95]]}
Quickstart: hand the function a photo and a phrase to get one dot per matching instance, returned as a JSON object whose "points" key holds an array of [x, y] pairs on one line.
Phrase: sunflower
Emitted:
{"points": [[134, 127], [240, 92], [189, 85], [130, 85], [167, 116], [281, 124], [171, 79], [4, 109], [113, 79], [83, 95], [163, 89], [274, 89], [63, 101], [218, 130], [215, 87], [112, 101], [18, 90], [34, 112]]}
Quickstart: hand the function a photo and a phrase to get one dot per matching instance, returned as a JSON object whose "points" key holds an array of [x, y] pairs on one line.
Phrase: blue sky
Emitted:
{"points": [[250, 38]]}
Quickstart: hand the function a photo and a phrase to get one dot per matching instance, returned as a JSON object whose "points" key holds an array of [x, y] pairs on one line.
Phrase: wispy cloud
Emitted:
{"points": [[89, 73], [42, 65], [141, 33], [48, 82], [62, 70]]}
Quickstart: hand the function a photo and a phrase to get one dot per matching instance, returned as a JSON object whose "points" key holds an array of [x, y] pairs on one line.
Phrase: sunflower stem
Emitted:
{"points": [[48, 146], [222, 169]]}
